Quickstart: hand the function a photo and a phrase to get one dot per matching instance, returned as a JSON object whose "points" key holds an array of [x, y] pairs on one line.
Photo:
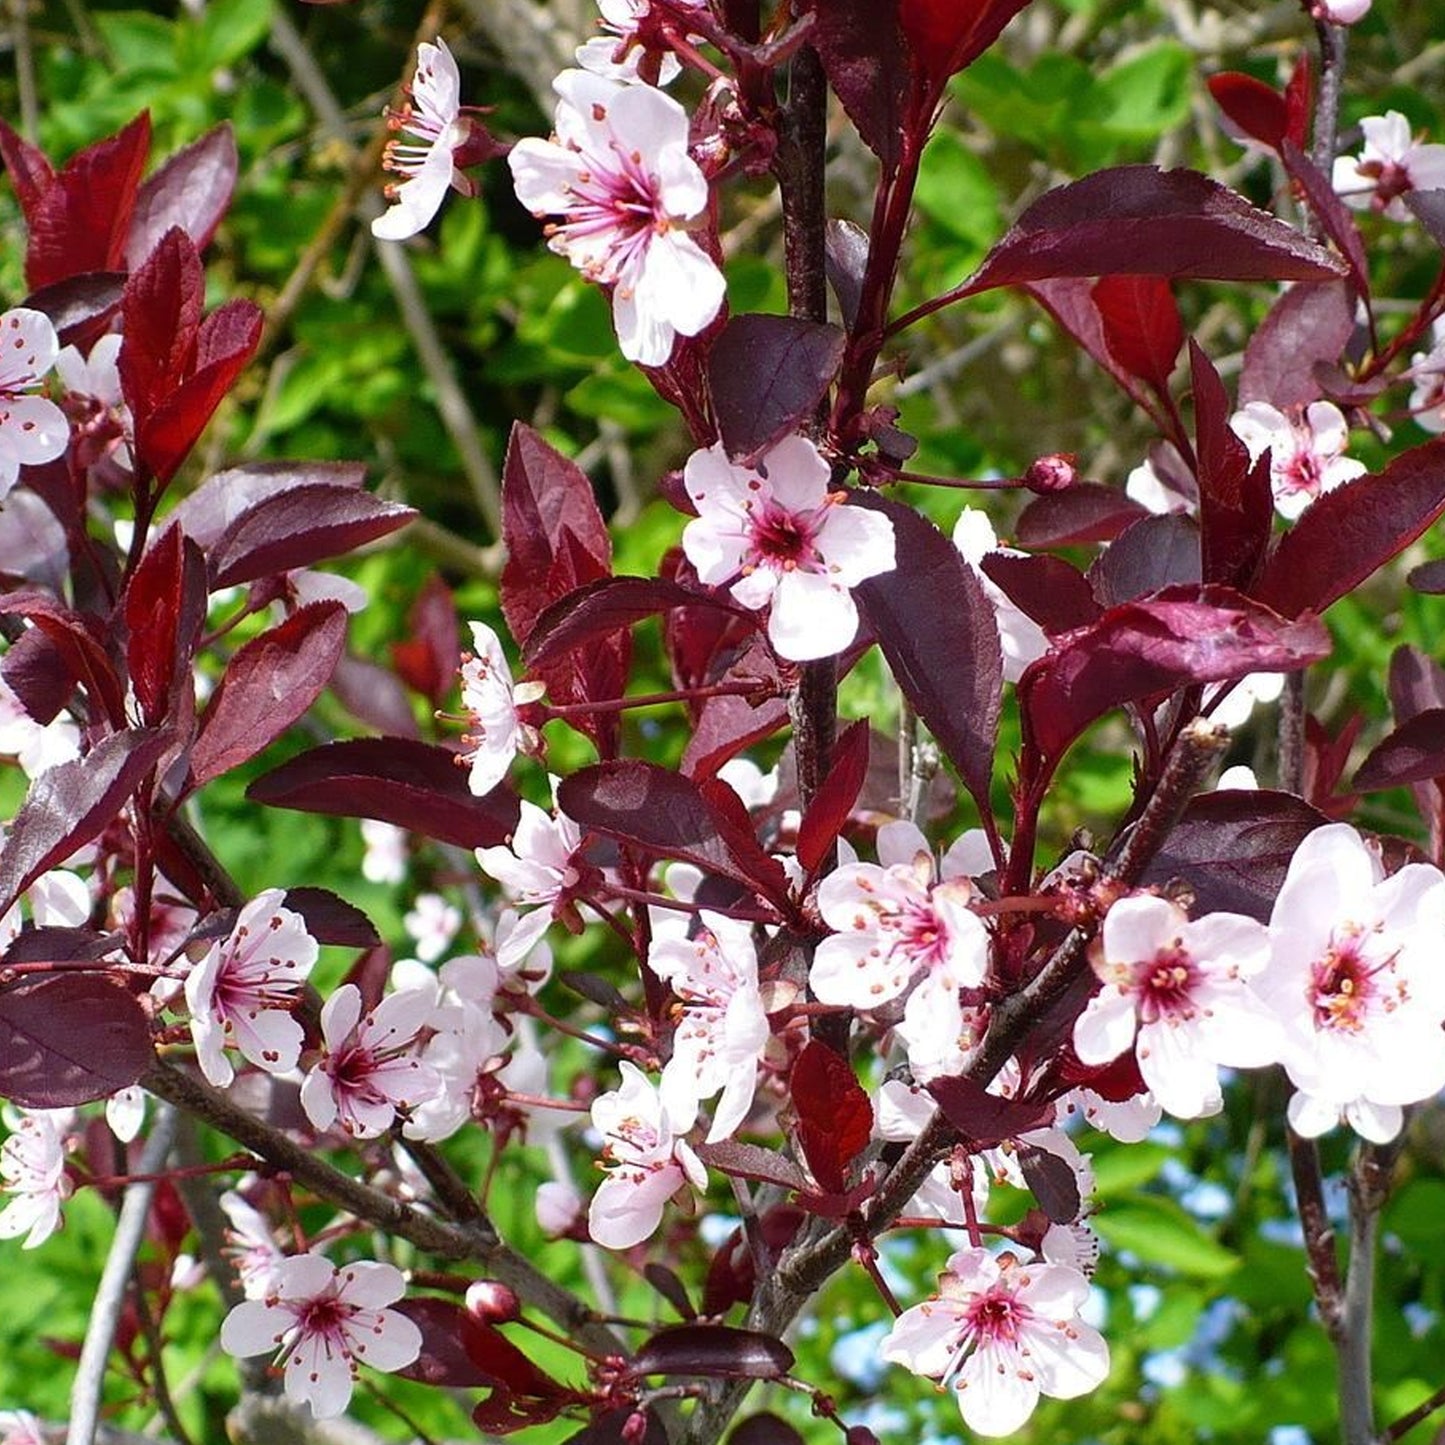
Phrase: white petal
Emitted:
{"points": [[812, 617]]}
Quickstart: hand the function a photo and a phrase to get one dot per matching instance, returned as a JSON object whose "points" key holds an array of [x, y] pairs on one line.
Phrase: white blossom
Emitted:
{"points": [[32, 1168], [1021, 638], [1306, 450], [250, 1246], [1391, 163], [491, 699], [32, 428]]}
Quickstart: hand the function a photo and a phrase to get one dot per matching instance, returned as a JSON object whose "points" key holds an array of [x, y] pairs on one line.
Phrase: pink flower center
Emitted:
{"points": [[618, 200], [1344, 988], [1165, 985], [1391, 180], [921, 935], [783, 540]]}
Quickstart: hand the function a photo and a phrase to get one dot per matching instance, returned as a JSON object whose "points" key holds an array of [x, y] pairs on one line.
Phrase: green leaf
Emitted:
{"points": [[139, 41], [1149, 92], [1122, 1168], [230, 29], [1160, 1232], [956, 191]]}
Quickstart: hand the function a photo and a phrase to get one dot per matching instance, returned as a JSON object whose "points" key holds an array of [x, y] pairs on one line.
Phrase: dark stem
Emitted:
{"points": [[1292, 734], [1410, 1419], [1324, 1263]]}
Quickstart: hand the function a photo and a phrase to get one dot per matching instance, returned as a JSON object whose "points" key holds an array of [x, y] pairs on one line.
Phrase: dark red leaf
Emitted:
{"points": [[1413, 753], [1149, 648], [161, 312], [1142, 327], [79, 641], [1143, 221], [270, 682], [835, 1119], [208, 511], [71, 803], [671, 1288], [70, 1038], [443, 1361], [752, 1161], [1254, 107], [375, 696], [1051, 591], [714, 1352], [298, 527], [1070, 301], [1233, 849], [1428, 577], [828, 812], [1085, 512], [1156, 552], [81, 219], [731, 1276], [1307, 327], [505, 1363], [1429, 210], [982, 1119], [1417, 682], [768, 374], [845, 258], [431, 654], [333, 920], [191, 190], [1334, 216], [862, 49], [1052, 1181], [604, 607], [80, 307], [30, 172], [765, 1429], [59, 945], [668, 815], [165, 609], [623, 1426], [35, 670], [948, 35], [1344, 536], [952, 676], [396, 780]]}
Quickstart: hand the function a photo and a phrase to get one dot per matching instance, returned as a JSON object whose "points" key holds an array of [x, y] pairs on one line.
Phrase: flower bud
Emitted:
{"points": [[492, 1302], [1053, 473], [559, 1207]]}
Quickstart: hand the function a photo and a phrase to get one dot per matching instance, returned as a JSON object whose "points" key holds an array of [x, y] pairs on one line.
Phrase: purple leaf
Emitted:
{"points": [[70, 1038], [73, 802], [298, 527], [832, 803], [765, 1429], [845, 257], [1154, 553], [952, 676], [80, 307], [1051, 591], [768, 374], [1344, 536], [1428, 577], [1333, 215], [1085, 512], [752, 1161], [1052, 1182], [1308, 326], [222, 498], [1413, 753], [1070, 301], [671, 1288], [1429, 209], [714, 1352], [191, 190], [1142, 327], [269, 683], [1233, 850], [835, 1118], [395, 780], [374, 696], [1417, 682], [862, 50], [983, 1119], [619, 1427], [1139, 220], [34, 669], [79, 640], [1143, 649], [333, 920], [443, 1360]]}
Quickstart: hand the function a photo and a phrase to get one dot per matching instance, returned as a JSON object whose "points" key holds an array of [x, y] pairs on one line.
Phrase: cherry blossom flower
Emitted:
{"points": [[1001, 1333], [1391, 163], [325, 1322], [1127, 1120], [385, 858], [370, 1070], [431, 924], [125, 1112], [1427, 369], [32, 1167], [775, 533], [535, 867], [242, 991], [491, 699], [1178, 992], [32, 428], [624, 51], [1354, 978], [559, 1208], [896, 924], [96, 402], [648, 1162], [1022, 638], [20, 1427], [721, 1027], [1306, 450], [250, 1246], [619, 175], [432, 116]]}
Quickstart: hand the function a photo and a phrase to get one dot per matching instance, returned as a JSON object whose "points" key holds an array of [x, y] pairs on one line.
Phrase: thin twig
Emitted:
{"points": [[25, 70]]}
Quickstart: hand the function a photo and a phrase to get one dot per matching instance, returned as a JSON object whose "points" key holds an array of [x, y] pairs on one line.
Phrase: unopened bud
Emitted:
{"points": [[1053, 473], [492, 1302], [559, 1207]]}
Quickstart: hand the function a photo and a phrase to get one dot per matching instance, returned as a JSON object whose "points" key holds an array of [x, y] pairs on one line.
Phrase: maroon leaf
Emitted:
{"points": [[220, 499], [828, 812], [731, 1275], [1156, 552], [522, 1393], [621, 1427], [1333, 215], [1139, 220], [79, 643], [300, 526], [165, 609], [1052, 1182], [36, 671], [845, 258], [443, 1360], [768, 374], [948, 35], [1051, 591], [1413, 753], [1429, 210], [1070, 301], [70, 1038], [668, 815], [374, 696], [1307, 327], [982, 1119], [765, 1429], [752, 1161], [1428, 577], [80, 220], [1344, 536], [671, 1288], [861, 46], [396, 780], [1417, 682], [269, 683], [30, 172], [714, 1352], [431, 654], [80, 307], [1254, 107], [71, 803], [1085, 512], [952, 676], [1233, 849], [835, 1119], [604, 607], [333, 920], [191, 190], [1149, 648], [1142, 327], [161, 312]]}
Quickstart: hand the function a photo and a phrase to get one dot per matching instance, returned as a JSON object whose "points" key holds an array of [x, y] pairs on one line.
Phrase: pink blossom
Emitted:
{"points": [[432, 116], [431, 924], [32, 1166], [36, 747], [773, 533], [534, 867], [623, 52], [1391, 163], [20, 1427], [1001, 1333], [559, 1208], [721, 1028], [895, 925], [32, 428], [242, 992], [1427, 396], [324, 1322], [1342, 12], [1178, 993], [1306, 450], [1022, 638], [370, 1070], [619, 175], [491, 699], [385, 858], [250, 1246], [1354, 978], [95, 399], [647, 1162]]}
